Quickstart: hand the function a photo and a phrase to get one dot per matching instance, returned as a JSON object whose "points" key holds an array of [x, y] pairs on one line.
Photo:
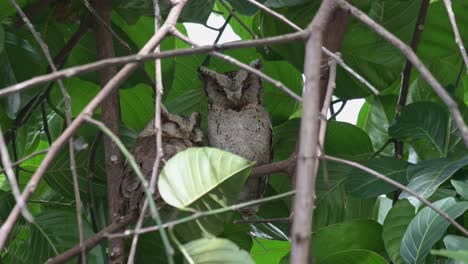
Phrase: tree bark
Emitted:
{"points": [[111, 118]]}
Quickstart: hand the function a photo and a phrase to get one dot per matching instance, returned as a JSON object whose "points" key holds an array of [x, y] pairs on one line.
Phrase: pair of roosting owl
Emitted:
{"points": [[237, 122]]}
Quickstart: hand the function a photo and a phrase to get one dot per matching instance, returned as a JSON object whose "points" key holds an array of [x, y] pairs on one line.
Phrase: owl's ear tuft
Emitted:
{"points": [[257, 64]]}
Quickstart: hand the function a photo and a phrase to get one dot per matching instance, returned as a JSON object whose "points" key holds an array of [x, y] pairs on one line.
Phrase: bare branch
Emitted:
{"points": [[417, 63], [93, 241], [237, 18], [8, 168], [244, 66], [157, 126], [142, 57], [204, 214], [307, 165], [338, 60], [401, 187], [80, 119], [67, 99], [30, 156], [458, 39]]}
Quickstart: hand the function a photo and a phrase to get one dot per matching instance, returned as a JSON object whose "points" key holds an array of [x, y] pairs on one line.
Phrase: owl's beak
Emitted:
{"points": [[233, 96]]}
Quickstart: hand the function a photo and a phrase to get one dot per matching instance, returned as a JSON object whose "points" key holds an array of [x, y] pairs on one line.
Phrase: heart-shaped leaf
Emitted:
{"points": [[216, 250], [427, 228], [195, 172]]}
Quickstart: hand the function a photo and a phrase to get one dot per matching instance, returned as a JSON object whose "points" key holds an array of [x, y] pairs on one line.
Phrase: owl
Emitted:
{"points": [[239, 123], [178, 134]]}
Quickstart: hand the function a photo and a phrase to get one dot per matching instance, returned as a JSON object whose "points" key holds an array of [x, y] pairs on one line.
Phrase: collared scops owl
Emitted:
{"points": [[239, 123], [178, 134]]}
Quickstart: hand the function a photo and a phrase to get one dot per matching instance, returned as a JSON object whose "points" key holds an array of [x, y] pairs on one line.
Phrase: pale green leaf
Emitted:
{"points": [[216, 250]]}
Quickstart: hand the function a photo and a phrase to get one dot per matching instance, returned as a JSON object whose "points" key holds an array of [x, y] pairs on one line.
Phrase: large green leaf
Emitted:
{"points": [[356, 256], [426, 121], [195, 172], [427, 176], [362, 184], [53, 232], [427, 228], [394, 228], [360, 234], [348, 141], [216, 250]]}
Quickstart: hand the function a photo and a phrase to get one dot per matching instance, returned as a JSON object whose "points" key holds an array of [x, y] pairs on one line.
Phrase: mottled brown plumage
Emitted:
{"points": [[178, 134], [238, 122]]}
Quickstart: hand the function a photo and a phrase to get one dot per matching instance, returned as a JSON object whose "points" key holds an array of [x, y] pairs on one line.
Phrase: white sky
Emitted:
{"points": [[204, 36]]}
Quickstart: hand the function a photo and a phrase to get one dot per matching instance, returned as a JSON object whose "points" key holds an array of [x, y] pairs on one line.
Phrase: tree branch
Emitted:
{"points": [[244, 66], [157, 126], [67, 99], [306, 165], [401, 187], [145, 56], [458, 39], [80, 119], [417, 63]]}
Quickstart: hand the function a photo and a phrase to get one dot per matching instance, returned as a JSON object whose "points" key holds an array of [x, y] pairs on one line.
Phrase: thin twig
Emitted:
{"points": [[30, 156], [323, 122], [157, 126], [236, 17], [206, 62], [203, 214], [144, 183], [325, 50], [8, 169], [142, 57], [67, 99], [244, 66], [45, 122], [93, 241], [406, 75], [81, 118], [417, 63], [90, 181], [458, 40], [260, 221], [120, 40], [401, 187]]}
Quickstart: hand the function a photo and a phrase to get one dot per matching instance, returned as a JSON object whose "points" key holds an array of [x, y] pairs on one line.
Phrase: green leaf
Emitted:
{"points": [[360, 234], [461, 256], [394, 228], [347, 140], [422, 121], [283, 3], [456, 242], [427, 228], [362, 184], [269, 251], [239, 234], [53, 232], [461, 186], [356, 256], [244, 7], [137, 106], [193, 173], [375, 116], [2, 38], [427, 176], [216, 250]]}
